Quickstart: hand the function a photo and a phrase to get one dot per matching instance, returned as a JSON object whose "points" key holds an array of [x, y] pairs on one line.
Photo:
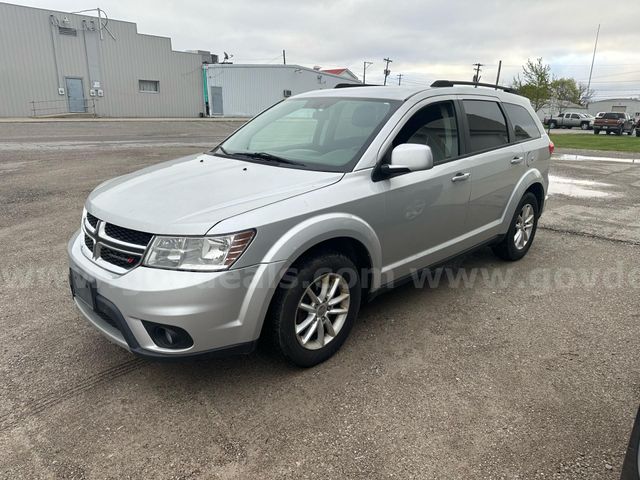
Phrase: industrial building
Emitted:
{"points": [[626, 105], [56, 63], [245, 90]]}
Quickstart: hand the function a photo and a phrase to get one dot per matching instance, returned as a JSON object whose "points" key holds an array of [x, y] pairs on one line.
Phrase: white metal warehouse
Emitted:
{"points": [[56, 63], [244, 90]]}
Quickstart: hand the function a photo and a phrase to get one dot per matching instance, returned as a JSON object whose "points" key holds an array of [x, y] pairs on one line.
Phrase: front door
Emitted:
{"points": [[75, 95], [426, 210]]}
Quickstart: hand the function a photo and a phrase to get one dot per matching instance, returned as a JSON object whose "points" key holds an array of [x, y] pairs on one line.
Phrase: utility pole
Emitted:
{"points": [[476, 77], [593, 59], [284, 57], [386, 69], [364, 71], [400, 78]]}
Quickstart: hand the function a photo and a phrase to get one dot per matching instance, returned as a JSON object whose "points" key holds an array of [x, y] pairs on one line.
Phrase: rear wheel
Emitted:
{"points": [[314, 308], [584, 126], [522, 230], [553, 124]]}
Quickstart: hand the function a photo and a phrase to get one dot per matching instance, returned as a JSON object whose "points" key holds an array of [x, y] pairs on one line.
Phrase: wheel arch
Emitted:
{"points": [[532, 181]]}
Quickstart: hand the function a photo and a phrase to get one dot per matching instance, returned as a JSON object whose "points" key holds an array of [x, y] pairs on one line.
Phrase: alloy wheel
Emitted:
{"points": [[524, 226], [322, 311]]}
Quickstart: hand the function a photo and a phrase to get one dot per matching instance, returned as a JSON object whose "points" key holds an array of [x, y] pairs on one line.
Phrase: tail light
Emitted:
{"points": [[551, 147]]}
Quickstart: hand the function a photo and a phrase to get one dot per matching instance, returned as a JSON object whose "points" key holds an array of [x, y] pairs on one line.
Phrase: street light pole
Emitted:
{"points": [[364, 71]]}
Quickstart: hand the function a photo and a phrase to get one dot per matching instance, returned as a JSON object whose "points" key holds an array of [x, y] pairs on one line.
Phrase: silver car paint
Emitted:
{"points": [[405, 223]]}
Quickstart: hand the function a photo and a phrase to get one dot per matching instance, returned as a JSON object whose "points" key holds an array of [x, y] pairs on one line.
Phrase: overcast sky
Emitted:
{"points": [[426, 40]]}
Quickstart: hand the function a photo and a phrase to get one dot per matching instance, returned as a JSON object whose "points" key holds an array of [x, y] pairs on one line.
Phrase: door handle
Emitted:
{"points": [[460, 177], [516, 160]]}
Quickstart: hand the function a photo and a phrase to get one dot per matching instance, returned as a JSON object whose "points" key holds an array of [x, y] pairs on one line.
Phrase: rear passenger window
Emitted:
{"points": [[524, 125], [487, 125]]}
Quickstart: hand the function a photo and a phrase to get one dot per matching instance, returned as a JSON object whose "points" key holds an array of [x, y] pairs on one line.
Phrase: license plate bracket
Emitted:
{"points": [[83, 288]]}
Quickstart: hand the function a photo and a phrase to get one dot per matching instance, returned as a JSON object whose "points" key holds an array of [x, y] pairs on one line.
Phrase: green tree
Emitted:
{"points": [[564, 92], [535, 83]]}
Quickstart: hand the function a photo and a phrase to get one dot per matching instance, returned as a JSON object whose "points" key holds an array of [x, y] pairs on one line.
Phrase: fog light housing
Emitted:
{"points": [[168, 336]]}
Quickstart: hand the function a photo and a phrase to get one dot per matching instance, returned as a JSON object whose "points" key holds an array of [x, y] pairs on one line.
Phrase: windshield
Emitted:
{"points": [[612, 115], [327, 134]]}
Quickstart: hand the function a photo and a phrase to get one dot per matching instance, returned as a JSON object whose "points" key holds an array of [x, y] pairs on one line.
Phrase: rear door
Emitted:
{"points": [[498, 163]]}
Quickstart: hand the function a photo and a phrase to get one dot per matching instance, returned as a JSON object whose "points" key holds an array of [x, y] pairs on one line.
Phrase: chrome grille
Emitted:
{"points": [[116, 248]]}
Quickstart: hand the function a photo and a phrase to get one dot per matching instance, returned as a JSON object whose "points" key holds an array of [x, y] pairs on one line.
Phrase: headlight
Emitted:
{"points": [[197, 253]]}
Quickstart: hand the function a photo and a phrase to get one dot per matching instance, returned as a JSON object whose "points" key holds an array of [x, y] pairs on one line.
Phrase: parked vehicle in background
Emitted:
{"points": [[616, 122], [570, 120], [324, 199]]}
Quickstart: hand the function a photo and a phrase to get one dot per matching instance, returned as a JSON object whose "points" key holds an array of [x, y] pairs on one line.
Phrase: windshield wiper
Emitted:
{"points": [[269, 157]]}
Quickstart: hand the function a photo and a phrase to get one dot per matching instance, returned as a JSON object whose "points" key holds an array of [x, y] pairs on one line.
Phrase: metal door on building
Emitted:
{"points": [[216, 100], [75, 95]]}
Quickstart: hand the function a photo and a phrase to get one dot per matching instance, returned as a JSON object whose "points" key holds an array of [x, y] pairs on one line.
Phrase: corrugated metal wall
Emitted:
{"points": [[632, 106], [30, 47], [249, 89]]}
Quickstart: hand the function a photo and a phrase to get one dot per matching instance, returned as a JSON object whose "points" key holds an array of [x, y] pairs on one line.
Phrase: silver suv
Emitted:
{"points": [[314, 206]]}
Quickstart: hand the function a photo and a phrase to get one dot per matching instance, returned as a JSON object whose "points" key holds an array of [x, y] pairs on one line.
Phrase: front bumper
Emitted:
{"points": [[219, 310]]}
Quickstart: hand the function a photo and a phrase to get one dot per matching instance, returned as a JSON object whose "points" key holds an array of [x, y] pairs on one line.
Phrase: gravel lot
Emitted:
{"points": [[530, 371]]}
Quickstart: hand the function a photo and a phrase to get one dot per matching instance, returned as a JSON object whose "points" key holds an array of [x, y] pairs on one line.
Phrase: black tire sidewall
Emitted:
{"points": [[290, 294], [514, 252]]}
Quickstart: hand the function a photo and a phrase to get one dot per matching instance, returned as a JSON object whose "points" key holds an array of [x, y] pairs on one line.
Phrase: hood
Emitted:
{"points": [[190, 195]]}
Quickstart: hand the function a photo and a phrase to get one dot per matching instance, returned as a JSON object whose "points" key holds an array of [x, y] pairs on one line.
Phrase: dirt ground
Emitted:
{"points": [[527, 370]]}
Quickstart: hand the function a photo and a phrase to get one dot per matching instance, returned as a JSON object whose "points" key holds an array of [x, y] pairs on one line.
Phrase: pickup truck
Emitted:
{"points": [[570, 120], [616, 122]]}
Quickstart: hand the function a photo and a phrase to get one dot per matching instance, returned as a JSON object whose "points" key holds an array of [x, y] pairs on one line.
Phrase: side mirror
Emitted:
{"points": [[408, 157]]}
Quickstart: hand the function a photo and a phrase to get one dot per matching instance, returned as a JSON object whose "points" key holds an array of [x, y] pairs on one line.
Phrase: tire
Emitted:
{"points": [[620, 131], [553, 124], [596, 131], [584, 126], [507, 248], [286, 315], [637, 132]]}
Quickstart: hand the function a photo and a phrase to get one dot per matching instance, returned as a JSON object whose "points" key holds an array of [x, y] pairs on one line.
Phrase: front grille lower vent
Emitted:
{"points": [[119, 246], [120, 259], [88, 241]]}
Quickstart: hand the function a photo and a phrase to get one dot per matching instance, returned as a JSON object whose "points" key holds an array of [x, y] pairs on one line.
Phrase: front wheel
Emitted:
{"points": [[522, 230], [637, 132], [596, 131], [620, 131], [314, 308]]}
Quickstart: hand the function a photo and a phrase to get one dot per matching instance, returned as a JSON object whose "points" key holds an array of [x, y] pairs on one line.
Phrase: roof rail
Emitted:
{"points": [[451, 83], [348, 85]]}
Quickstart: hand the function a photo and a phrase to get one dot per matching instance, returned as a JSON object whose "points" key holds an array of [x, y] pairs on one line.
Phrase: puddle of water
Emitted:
{"points": [[579, 188], [587, 158]]}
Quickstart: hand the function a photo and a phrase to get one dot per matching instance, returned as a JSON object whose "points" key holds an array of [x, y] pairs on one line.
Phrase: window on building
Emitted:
{"points": [[67, 31], [149, 86], [524, 126], [487, 125]]}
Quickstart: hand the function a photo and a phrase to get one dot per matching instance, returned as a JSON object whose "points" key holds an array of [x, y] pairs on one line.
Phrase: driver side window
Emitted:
{"points": [[434, 125]]}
